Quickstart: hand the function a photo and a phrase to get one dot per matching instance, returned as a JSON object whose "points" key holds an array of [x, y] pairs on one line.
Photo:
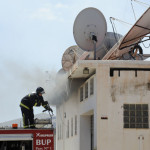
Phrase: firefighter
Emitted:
{"points": [[27, 103]]}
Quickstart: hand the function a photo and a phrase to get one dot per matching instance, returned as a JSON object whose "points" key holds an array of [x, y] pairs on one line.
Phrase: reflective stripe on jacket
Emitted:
{"points": [[31, 100], [24, 106]]}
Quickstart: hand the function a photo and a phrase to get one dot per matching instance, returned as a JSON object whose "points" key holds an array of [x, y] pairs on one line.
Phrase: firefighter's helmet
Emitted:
{"points": [[40, 90]]}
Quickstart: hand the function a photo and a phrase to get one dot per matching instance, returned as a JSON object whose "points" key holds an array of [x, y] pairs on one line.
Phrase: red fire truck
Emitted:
{"points": [[26, 139]]}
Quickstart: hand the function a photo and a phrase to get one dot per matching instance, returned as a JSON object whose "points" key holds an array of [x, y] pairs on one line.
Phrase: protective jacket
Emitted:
{"points": [[31, 100]]}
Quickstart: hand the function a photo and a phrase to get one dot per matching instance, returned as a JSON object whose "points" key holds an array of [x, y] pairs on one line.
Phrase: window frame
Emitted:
{"points": [[75, 127], [86, 92], [92, 86], [136, 116]]}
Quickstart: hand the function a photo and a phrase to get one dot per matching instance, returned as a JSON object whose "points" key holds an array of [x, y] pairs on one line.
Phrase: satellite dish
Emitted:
{"points": [[70, 56], [110, 40], [89, 26]]}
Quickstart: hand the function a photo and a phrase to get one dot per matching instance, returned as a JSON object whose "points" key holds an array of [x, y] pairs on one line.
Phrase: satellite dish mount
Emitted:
{"points": [[93, 37]]}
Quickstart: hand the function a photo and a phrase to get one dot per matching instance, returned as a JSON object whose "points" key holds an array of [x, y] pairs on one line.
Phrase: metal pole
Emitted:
{"points": [[94, 39], [141, 142], [94, 50]]}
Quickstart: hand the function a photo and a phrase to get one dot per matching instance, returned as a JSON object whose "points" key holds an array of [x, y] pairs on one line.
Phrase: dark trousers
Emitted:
{"points": [[28, 117]]}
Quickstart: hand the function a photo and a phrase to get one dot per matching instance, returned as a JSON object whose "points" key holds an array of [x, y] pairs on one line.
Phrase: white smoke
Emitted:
{"points": [[57, 89], [17, 81]]}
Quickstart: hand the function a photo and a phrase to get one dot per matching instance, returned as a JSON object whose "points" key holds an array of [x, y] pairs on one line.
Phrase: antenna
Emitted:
{"points": [[89, 29]]}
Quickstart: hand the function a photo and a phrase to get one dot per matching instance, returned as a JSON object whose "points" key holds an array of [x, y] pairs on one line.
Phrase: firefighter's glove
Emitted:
{"points": [[45, 102], [48, 108]]}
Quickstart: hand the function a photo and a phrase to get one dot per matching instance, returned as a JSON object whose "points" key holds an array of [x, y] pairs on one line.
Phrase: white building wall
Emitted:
{"points": [[83, 110], [110, 94], [87, 108], [65, 113], [113, 93]]}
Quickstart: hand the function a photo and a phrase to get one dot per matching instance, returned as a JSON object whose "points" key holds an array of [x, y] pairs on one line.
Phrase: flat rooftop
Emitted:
{"points": [[77, 70]]}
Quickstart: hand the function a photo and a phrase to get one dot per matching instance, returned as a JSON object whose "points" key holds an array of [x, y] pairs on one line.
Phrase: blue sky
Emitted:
{"points": [[33, 36]]}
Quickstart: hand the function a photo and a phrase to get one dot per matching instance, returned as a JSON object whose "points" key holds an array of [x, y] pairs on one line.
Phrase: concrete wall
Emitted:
{"points": [[83, 110], [106, 104], [113, 93], [65, 112], [87, 108]]}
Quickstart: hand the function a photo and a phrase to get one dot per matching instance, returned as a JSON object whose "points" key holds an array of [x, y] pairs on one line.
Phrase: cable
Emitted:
{"points": [[145, 4], [121, 21], [146, 46], [113, 29], [133, 10]]}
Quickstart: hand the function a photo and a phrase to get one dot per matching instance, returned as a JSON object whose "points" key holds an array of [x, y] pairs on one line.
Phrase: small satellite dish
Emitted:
{"points": [[70, 56], [89, 26]]}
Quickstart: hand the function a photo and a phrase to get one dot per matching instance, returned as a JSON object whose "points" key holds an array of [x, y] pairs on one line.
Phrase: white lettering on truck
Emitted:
{"points": [[43, 141], [44, 135]]}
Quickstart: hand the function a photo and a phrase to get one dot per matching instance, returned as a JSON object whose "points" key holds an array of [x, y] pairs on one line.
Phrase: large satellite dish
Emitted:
{"points": [[89, 29], [70, 56]]}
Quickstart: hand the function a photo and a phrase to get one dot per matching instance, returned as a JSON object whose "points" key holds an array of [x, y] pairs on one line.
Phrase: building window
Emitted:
{"points": [[92, 86], [86, 90], [61, 131], [81, 94], [75, 126], [68, 129], [58, 131], [71, 126], [136, 116]]}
